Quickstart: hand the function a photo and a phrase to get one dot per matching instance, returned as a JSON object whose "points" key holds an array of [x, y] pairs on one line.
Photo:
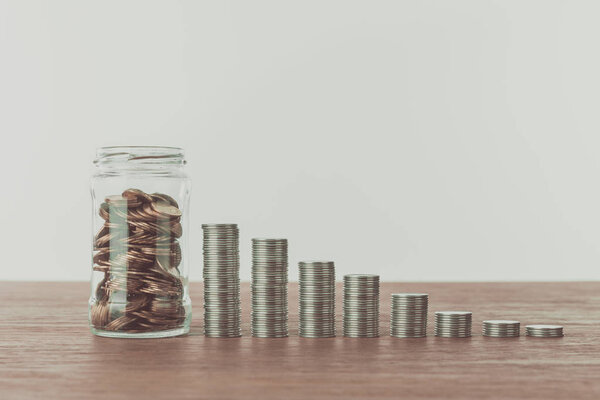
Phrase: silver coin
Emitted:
{"points": [[544, 330], [222, 304], [316, 299], [269, 288], [453, 324], [408, 316], [361, 305]]}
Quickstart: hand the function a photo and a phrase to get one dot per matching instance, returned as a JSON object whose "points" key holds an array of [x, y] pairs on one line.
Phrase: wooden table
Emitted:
{"points": [[47, 351]]}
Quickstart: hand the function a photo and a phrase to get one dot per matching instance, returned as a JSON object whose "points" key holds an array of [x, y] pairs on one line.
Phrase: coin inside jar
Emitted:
{"points": [[136, 196], [164, 198], [138, 251], [167, 210]]}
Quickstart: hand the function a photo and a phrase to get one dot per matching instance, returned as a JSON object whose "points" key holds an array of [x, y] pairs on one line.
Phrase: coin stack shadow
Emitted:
{"points": [[454, 324], [544, 331], [409, 315], [501, 328], [317, 299], [269, 288], [222, 307], [138, 251], [361, 305]]}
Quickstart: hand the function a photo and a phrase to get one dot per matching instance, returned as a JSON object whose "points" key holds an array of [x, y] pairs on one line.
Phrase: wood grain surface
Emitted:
{"points": [[47, 351]]}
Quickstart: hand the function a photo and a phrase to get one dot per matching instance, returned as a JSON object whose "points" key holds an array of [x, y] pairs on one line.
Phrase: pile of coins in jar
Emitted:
{"points": [[138, 252]]}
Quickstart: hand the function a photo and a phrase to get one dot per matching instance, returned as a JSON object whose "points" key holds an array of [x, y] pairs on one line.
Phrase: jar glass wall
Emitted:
{"points": [[139, 284]]}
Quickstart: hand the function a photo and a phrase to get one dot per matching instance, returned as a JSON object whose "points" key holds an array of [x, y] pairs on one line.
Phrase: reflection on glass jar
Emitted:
{"points": [[139, 261]]}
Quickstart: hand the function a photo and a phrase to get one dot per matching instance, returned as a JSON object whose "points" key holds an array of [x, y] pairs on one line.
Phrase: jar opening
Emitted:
{"points": [[147, 155]]}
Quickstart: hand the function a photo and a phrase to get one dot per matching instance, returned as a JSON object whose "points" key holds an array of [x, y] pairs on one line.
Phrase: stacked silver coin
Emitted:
{"points": [[361, 305], [455, 324], [544, 330], [501, 328], [269, 287], [222, 311], [317, 299], [409, 315]]}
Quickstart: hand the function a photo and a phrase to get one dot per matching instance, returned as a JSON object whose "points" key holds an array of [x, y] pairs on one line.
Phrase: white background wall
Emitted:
{"points": [[421, 140]]}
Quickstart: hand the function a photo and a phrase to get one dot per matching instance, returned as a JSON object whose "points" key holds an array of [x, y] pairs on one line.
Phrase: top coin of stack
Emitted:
{"points": [[221, 280], [453, 323], [269, 287], [361, 305], [544, 330], [317, 298], [501, 328]]}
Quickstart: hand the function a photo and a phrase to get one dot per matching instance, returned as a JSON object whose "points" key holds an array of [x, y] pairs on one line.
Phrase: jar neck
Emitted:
{"points": [[139, 159]]}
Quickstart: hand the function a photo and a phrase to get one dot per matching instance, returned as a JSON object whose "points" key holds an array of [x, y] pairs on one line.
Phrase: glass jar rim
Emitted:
{"points": [[112, 155]]}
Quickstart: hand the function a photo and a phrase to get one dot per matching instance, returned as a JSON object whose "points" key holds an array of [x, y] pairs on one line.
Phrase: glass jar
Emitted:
{"points": [[139, 281]]}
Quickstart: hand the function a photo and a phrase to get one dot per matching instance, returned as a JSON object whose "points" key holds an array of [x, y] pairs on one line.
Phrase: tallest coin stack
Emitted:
{"points": [[222, 313]]}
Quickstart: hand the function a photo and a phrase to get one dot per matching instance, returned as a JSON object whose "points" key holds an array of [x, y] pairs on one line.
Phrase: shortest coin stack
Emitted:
{"points": [[409, 315], [544, 330], [454, 324], [501, 328]]}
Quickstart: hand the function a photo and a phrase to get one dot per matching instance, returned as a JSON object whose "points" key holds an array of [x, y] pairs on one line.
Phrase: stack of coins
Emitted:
{"points": [[409, 315], [361, 305], [544, 330], [317, 299], [221, 281], [269, 287], [455, 324], [501, 328]]}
